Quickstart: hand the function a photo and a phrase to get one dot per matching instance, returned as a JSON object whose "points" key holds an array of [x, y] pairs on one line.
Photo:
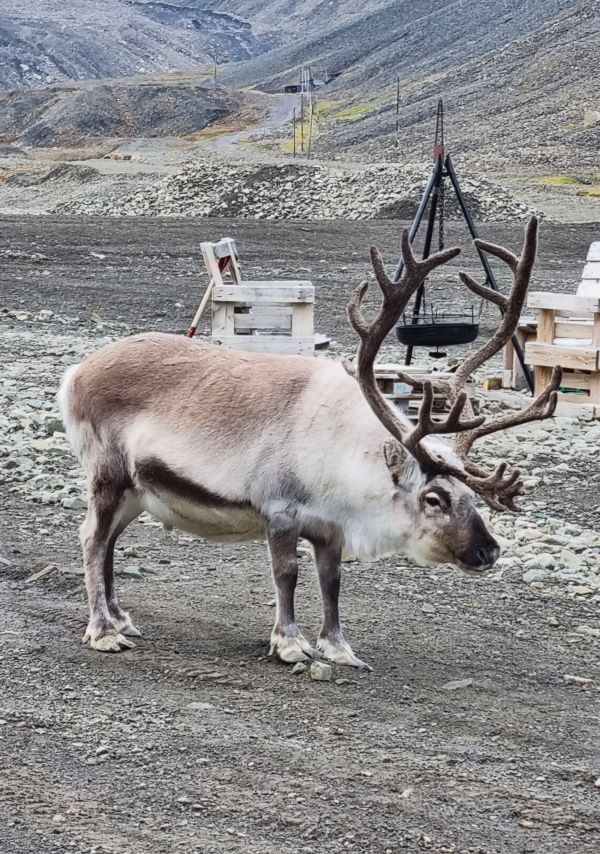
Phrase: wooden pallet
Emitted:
{"points": [[406, 398]]}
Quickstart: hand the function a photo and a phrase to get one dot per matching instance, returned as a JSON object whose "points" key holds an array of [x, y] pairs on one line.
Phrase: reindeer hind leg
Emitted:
{"points": [[120, 618], [110, 502]]}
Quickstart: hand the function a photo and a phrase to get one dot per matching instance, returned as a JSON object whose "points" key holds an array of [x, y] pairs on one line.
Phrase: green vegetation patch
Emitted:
{"points": [[593, 192], [558, 180]]}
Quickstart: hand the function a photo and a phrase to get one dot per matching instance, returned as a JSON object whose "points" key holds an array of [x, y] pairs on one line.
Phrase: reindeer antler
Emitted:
{"points": [[395, 298], [545, 404], [497, 488]]}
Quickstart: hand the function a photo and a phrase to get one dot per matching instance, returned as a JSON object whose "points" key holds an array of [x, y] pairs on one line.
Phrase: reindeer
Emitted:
{"points": [[232, 445]]}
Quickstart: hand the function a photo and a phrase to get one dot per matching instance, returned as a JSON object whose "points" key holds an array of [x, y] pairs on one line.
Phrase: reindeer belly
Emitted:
{"points": [[179, 502], [212, 523]]}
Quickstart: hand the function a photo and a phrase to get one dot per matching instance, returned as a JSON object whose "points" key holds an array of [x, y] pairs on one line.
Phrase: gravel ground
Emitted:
{"points": [[477, 731]]}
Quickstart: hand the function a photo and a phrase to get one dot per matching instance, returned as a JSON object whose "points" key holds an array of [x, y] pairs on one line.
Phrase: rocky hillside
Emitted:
{"points": [[48, 41], [67, 116], [517, 77]]}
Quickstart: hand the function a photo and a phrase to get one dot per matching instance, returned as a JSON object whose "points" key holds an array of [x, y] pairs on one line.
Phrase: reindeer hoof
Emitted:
{"points": [[107, 640], [292, 649], [340, 652], [123, 625], [131, 631]]}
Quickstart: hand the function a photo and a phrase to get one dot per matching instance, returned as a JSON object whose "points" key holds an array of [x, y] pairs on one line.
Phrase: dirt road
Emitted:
{"points": [[196, 741]]}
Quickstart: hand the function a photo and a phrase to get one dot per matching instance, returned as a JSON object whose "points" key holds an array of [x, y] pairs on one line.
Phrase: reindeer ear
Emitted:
{"points": [[395, 457]]}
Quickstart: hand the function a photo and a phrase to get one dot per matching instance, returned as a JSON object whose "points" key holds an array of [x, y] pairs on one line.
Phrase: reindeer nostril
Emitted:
{"points": [[483, 557]]}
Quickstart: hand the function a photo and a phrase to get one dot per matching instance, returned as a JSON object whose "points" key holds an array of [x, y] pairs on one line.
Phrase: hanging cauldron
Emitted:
{"points": [[438, 329]]}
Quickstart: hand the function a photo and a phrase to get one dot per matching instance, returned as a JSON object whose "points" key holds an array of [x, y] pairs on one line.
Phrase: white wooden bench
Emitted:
{"points": [[259, 316], [569, 325]]}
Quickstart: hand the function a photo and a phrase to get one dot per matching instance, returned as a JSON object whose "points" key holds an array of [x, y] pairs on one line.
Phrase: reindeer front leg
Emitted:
{"points": [[331, 643], [287, 641]]}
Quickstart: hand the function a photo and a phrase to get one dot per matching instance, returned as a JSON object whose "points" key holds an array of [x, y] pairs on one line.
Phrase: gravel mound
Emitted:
{"points": [[307, 191]]}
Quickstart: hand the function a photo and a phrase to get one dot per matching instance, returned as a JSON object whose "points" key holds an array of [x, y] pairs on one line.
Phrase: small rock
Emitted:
{"points": [[320, 672], [131, 572], [73, 502], [298, 668], [587, 631], [533, 575], [569, 679], [456, 684], [581, 590], [428, 608], [552, 621], [542, 561]]}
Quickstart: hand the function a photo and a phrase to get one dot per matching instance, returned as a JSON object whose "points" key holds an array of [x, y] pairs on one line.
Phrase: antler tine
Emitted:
{"points": [[483, 291], [539, 409], [500, 252], [354, 310], [451, 424], [383, 280], [514, 304]]}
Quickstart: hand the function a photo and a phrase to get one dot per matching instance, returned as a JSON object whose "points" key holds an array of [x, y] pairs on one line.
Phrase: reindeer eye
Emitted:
{"points": [[433, 499]]}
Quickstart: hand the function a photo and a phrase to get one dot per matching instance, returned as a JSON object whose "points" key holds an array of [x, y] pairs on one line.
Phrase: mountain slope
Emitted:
{"points": [[516, 77], [48, 41]]}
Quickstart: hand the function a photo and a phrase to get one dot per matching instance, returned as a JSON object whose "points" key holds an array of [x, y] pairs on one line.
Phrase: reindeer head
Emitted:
{"points": [[435, 481]]}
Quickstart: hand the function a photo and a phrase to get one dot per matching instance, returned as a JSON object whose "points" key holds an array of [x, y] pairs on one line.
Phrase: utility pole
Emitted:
{"points": [[294, 126], [302, 110], [310, 132]]}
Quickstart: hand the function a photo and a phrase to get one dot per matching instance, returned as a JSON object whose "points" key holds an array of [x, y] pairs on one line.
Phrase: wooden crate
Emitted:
{"points": [[265, 317]]}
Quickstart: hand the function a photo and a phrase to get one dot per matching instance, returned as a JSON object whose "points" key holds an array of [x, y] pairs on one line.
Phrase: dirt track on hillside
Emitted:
{"points": [[196, 741]]}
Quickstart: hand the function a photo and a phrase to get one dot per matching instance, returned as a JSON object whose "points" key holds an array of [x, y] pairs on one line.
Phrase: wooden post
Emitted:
{"points": [[545, 335], [302, 118]]}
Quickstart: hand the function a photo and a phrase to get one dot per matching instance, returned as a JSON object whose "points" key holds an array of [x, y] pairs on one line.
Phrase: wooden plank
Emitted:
{"points": [[589, 288], [303, 320], [591, 270], [563, 302], [268, 344], [545, 333], [211, 263], [265, 293], [263, 320], [573, 329], [222, 320], [595, 378], [572, 397], [576, 379], [224, 248], [594, 251], [549, 355]]}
